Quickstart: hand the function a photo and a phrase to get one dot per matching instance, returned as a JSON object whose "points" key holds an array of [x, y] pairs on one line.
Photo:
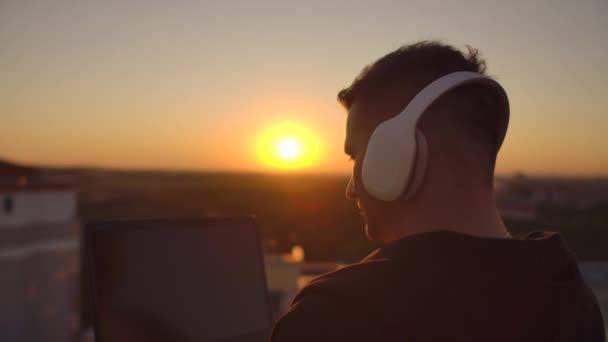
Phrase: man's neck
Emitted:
{"points": [[476, 216]]}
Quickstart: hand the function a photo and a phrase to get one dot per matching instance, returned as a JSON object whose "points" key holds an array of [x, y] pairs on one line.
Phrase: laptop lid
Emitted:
{"points": [[177, 280]]}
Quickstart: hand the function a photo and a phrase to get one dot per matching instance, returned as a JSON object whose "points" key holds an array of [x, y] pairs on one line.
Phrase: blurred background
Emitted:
{"points": [[148, 109]]}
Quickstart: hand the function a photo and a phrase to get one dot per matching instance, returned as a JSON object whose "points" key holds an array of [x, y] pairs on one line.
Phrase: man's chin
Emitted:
{"points": [[375, 230], [371, 229]]}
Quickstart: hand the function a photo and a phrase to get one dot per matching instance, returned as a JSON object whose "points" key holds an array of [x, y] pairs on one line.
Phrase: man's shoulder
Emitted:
{"points": [[334, 306], [348, 280]]}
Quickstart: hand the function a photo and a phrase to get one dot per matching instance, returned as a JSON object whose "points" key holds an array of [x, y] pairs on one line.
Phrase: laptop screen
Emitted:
{"points": [[178, 280]]}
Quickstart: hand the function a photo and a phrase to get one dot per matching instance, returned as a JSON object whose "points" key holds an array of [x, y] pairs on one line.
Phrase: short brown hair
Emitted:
{"points": [[410, 68], [414, 65]]}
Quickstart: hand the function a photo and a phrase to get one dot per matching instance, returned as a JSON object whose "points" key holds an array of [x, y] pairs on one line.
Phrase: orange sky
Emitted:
{"points": [[194, 85]]}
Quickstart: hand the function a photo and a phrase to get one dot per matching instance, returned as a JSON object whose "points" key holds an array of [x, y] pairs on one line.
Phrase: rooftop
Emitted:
{"points": [[15, 177]]}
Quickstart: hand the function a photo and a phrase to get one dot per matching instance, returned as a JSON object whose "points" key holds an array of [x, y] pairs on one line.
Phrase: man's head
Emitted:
{"points": [[461, 128]]}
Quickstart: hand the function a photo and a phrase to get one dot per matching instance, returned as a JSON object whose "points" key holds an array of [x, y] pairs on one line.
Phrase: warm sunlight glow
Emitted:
{"points": [[288, 146]]}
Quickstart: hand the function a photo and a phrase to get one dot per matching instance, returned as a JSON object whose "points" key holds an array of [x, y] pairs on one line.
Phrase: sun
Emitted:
{"points": [[288, 146]]}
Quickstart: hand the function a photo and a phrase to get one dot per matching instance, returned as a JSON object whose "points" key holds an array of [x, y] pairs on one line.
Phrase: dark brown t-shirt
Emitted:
{"points": [[445, 286]]}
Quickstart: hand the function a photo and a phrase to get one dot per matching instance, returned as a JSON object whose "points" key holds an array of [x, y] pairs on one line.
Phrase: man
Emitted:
{"points": [[449, 270]]}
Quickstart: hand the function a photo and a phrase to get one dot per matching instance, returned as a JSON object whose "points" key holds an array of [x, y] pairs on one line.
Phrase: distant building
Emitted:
{"points": [[521, 197], [39, 257]]}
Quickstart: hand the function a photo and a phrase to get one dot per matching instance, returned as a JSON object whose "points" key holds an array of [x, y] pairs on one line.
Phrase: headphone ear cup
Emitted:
{"points": [[422, 156]]}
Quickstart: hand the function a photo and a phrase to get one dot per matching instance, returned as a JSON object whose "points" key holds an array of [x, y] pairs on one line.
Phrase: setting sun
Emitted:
{"points": [[288, 146]]}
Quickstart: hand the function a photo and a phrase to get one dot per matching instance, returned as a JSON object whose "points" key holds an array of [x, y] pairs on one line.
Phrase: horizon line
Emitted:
{"points": [[277, 172]]}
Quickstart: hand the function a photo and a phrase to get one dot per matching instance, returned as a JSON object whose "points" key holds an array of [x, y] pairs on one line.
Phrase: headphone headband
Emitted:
{"points": [[412, 113]]}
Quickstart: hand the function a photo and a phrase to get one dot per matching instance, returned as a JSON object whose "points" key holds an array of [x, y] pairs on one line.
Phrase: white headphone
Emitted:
{"points": [[395, 161]]}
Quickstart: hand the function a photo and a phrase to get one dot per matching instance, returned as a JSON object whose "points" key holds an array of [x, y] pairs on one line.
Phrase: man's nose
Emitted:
{"points": [[351, 193]]}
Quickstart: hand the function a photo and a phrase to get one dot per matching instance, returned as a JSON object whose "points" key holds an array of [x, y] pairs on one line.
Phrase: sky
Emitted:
{"points": [[195, 85]]}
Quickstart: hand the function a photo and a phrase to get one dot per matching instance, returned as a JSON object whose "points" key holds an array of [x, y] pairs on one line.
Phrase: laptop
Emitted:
{"points": [[177, 280]]}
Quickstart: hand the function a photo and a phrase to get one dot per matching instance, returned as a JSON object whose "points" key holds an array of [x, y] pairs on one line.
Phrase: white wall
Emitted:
{"points": [[37, 207], [39, 288]]}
